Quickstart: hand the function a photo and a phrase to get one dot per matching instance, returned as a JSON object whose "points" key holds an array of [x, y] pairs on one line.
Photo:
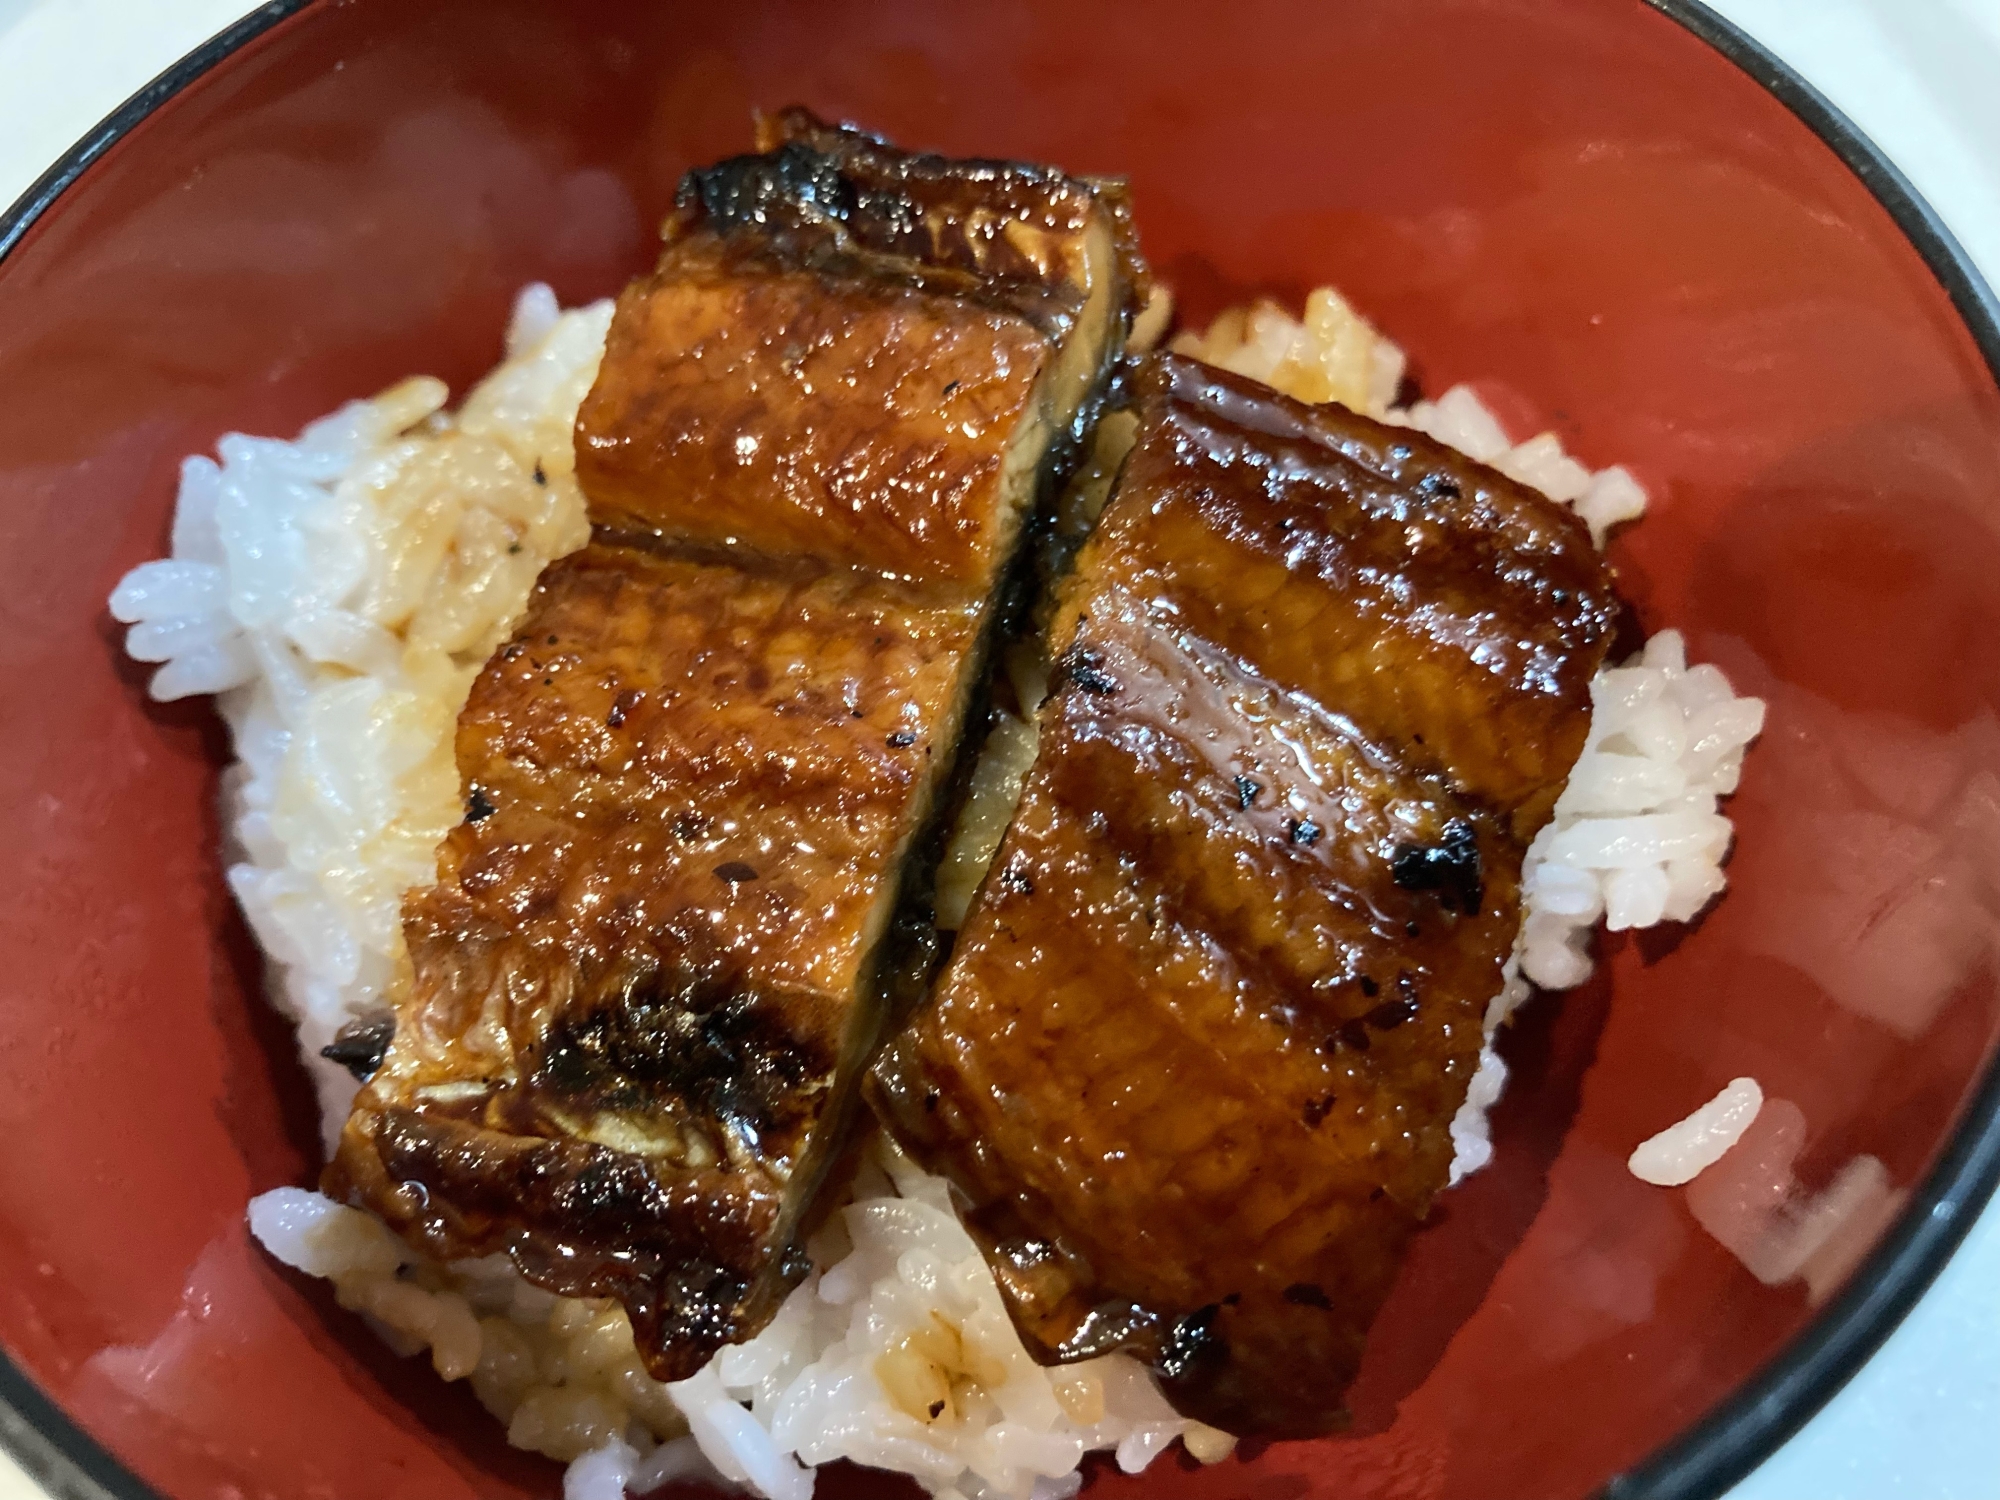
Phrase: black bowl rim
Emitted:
{"points": [[1758, 1417]]}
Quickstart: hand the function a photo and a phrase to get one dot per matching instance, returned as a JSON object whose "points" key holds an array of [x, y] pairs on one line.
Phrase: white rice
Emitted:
{"points": [[560, 1372], [901, 1355], [1637, 839], [339, 594], [1637, 836], [1689, 1147]]}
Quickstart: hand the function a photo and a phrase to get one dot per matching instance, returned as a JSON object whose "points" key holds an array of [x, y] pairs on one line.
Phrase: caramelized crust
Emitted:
{"points": [[835, 336], [1440, 608], [743, 402], [1019, 232], [656, 959], [689, 787], [771, 725], [1197, 1051]]}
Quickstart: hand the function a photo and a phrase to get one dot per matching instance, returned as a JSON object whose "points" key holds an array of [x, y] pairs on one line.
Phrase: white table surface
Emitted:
{"points": [[1922, 77]]}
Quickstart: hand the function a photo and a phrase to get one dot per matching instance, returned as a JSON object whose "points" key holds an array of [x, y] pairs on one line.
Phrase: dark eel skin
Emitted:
{"points": [[1196, 1054], [661, 946]]}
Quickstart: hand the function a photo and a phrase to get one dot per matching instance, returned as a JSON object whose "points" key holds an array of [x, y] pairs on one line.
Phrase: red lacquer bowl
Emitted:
{"points": [[1630, 225]]}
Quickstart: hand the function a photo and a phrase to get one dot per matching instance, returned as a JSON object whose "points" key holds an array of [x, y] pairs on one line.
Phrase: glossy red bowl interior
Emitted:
{"points": [[1581, 203]]}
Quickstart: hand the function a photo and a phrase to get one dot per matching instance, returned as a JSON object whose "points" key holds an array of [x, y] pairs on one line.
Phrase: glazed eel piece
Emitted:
{"points": [[1196, 1054], [698, 778]]}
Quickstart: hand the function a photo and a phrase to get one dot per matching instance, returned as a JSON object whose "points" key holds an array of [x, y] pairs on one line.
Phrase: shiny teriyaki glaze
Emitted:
{"points": [[653, 965], [1196, 1053]]}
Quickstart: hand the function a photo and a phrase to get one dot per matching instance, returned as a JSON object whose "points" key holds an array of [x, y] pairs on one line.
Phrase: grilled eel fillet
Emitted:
{"points": [[1195, 1056], [652, 967]]}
